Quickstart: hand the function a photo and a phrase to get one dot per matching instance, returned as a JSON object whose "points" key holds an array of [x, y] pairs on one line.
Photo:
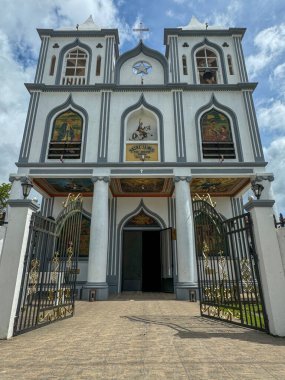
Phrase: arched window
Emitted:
{"points": [[98, 65], [230, 64], [216, 136], [75, 67], [184, 65], [66, 136], [142, 137], [207, 66], [52, 65]]}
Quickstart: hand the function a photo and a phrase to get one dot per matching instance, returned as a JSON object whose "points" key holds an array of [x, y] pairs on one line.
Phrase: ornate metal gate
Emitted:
{"points": [[229, 281], [50, 268]]}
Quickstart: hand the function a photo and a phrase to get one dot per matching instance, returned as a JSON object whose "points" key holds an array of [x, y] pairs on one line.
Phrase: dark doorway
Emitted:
{"points": [[141, 261], [151, 265]]}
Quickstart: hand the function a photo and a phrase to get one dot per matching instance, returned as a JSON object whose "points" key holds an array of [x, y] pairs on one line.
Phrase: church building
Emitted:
{"points": [[139, 135]]}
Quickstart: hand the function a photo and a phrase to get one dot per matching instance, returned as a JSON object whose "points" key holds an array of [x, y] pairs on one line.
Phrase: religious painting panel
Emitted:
{"points": [[215, 127], [67, 127], [142, 128]]}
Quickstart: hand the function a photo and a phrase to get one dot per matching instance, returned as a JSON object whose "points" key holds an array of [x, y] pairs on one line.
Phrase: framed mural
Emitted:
{"points": [[67, 127], [142, 139], [215, 127]]}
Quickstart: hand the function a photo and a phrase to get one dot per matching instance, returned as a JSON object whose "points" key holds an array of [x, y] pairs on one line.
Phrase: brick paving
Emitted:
{"points": [[141, 336]]}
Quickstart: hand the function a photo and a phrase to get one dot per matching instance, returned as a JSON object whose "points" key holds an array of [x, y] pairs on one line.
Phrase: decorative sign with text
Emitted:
{"points": [[142, 152]]}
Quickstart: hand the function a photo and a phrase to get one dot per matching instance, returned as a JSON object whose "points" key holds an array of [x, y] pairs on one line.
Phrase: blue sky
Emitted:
{"points": [[264, 48]]}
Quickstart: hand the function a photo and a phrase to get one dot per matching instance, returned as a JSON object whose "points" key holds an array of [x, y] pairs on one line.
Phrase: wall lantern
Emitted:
{"points": [[257, 189], [26, 187]]}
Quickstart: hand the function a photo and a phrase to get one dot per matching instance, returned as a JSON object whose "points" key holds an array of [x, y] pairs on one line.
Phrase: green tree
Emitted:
{"points": [[5, 189]]}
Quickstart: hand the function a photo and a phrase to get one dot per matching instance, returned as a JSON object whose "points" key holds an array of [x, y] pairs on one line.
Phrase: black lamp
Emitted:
{"points": [[26, 187], [257, 189]]}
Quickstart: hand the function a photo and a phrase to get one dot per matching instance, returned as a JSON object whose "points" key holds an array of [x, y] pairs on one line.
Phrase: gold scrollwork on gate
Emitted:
{"points": [[205, 198], [69, 253], [34, 276], [55, 313], [220, 312], [246, 276], [55, 267], [71, 198]]}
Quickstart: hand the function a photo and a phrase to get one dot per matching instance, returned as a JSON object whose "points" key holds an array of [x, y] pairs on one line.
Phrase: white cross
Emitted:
{"points": [[141, 30]]}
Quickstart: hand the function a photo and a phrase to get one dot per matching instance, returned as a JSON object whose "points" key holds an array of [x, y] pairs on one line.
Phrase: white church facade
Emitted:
{"points": [[139, 134]]}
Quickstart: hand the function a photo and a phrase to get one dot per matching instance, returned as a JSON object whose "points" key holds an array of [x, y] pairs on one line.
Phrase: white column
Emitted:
{"points": [[12, 261], [98, 249], [187, 270], [16, 190], [270, 263]]}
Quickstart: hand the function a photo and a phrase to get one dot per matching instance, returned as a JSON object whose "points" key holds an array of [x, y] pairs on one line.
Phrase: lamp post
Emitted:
{"points": [[26, 187], [257, 189]]}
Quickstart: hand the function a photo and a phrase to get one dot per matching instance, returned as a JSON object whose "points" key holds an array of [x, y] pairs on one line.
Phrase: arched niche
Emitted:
{"points": [[142, 133]]}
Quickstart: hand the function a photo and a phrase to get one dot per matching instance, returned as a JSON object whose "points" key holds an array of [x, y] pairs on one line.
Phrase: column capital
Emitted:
{"points": [[260, 178], [16, 177], [104, 179], [181, 178]]}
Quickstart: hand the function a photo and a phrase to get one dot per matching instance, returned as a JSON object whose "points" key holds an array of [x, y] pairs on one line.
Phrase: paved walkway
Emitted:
{"points": [[141, 336]]}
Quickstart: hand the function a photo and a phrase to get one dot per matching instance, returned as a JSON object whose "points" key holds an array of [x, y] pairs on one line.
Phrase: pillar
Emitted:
{"points": [[98, 248], [270, 263], [12, 262], [186, 259]]}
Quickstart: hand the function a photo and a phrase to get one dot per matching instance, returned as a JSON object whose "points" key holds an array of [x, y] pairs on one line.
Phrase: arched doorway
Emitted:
{"points": [[142, 257]]}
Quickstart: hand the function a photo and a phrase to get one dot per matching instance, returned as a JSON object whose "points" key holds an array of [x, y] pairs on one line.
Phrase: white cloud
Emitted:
{"points": [[19, 49], [226, 18], [270, 44], [271, 117], [276, 157]]}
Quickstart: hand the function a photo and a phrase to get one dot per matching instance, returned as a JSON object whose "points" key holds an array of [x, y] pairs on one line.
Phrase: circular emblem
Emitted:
{"points": [[142, 68]]}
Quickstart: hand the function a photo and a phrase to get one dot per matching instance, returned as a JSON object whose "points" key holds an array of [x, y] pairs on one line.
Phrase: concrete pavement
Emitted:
{"points": [[141, 336]]}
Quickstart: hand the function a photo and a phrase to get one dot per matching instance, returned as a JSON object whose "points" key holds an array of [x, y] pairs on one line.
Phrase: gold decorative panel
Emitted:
{"points": [[142, 152]]}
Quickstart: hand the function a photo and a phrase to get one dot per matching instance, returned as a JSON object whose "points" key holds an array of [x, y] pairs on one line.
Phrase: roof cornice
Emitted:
{"points": [[202, 32], [37, 87], [79, 33]]}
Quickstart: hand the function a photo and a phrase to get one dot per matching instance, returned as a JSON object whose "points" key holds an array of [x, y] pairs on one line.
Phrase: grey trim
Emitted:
{"points": [[120, 228], [23, 203], [97, 87], [242, 66], [104, 127], [65, 106], [158, 165], [138, 171], [237, 206], [29, 127], [81, 33], [222, 171], [42, 60], [47, 206], [111, 272], [155, 110], [177, 59], [202, 33], [106, 60], [259, 203], [61, 171], [213, 103], [221, 55], [141, 48], [242, 73], [62, 53], [179, 127], [174, 59], [253, 127]]}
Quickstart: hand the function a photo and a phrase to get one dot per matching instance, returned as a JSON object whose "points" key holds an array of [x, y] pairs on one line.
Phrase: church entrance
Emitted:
{"points": [[141, 268]]}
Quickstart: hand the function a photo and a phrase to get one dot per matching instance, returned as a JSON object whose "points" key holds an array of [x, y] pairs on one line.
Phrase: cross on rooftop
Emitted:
{"points": [[141, 30]]}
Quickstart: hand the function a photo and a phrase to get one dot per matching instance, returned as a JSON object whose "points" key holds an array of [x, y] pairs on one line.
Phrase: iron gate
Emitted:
{"points": [[227, 262], [50, 267]]}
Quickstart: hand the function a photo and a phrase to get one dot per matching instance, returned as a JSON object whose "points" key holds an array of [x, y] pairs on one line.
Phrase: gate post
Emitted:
{"points": [[12, 261], [270, 263]]}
